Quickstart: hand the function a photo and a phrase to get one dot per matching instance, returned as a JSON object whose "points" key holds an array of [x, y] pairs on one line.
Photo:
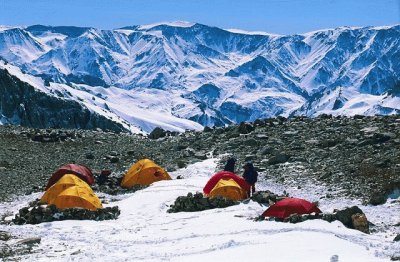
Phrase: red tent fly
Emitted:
{"points": [[288, 206], [80, 171]]}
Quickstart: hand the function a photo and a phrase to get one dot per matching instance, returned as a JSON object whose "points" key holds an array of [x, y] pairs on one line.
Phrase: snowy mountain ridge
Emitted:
{"points": [[213, 76]]}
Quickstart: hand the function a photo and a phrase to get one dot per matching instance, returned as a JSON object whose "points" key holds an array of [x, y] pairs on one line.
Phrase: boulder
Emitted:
{"points": [[4, 236], [157, 133], [278, 159], [207, 129], [251, 142], [89, 155], [397, 238], [30, 241], [245, 128], [377, 198]]}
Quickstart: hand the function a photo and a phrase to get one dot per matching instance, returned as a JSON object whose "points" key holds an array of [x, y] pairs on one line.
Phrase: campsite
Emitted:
{"points": [[137, 219]]}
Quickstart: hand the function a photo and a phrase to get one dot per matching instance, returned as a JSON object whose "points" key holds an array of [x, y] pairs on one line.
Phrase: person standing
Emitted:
{"points": [[230, 165], [250, 175]]}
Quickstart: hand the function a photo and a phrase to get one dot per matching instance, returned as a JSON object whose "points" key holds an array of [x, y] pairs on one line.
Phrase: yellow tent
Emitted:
{"points": [[228, 189], [144, 172], [77, 196], [66, 181]]}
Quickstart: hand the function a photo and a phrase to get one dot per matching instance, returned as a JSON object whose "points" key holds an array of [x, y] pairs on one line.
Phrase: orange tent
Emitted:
{"points": [[144, 172], [66, 181], [228, 189], [77, 196]]}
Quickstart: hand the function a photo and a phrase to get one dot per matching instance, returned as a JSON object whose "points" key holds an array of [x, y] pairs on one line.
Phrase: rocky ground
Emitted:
{"points": [[356, 157]]}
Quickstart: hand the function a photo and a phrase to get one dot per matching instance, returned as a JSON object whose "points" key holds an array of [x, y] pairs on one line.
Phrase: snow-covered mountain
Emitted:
{"points": [[214, 76]]}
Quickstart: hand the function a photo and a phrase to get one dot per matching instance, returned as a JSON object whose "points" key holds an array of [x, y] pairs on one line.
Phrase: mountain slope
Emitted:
{"points": [[253, 75], [30, 101]]}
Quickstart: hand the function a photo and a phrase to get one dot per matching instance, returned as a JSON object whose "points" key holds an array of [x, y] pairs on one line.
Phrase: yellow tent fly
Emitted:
{"points": [[228, 189], [66, 181], [77, 196], [144, 172]]}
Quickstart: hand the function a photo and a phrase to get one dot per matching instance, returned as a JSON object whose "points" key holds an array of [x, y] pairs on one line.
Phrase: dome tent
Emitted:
{"points": [[66, 181], [71, 191], [77, 196], [289, 206], [225, 175], [228, 189], [81, 171], [144, 172]]}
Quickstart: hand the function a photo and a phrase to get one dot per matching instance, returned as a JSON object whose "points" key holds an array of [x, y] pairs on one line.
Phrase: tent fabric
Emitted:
{"points": [[66, 181], [225, 175], [289, 206], [228, 189], [81, 171], [77, 196], [144, 172]]}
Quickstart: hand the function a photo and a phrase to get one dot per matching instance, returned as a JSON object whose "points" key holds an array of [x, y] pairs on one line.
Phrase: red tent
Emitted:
{"points": [[225, 175], [288, 206], [80, 171]]}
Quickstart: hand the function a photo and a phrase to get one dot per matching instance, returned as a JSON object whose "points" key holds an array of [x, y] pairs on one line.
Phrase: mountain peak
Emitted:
{"points": [[170, 24]]}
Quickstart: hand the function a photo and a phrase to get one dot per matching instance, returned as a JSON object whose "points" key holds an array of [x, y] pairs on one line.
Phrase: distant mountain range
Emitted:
{"points": [[183, 75]]}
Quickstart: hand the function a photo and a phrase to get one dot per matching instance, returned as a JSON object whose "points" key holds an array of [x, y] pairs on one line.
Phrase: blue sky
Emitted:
{"points": [[275, 16]]}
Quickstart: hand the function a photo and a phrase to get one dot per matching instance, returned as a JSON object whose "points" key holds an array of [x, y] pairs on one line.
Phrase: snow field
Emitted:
{"points": [[145, 231]]}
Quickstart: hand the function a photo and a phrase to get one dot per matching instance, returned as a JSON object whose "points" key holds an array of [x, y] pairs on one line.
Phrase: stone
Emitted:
{"points": [[250, 158], [261, 136], [384, 163], [397, 238], [157, 133], [360, 223], [114, 159], [377, 198], [200, 155], [89, 155], [30, 241], [4, 236], [278, 159], [245, 128], [180, 163], [130, 152], [63, 136], [207, 129], [251, 142]]}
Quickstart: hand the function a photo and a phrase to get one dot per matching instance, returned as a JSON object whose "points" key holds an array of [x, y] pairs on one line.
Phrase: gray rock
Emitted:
{"points": [[245, 128], [130, 152], [278, 159], [4, 236], [157, 133], [89, 155], [397, 238], [251, 142], [30, 241], [377, 198], [114, 159]]}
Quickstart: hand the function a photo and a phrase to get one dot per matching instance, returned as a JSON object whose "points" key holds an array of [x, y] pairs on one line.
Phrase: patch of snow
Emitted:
{"points": [[244, 32], [173, 24], [5, 27]]}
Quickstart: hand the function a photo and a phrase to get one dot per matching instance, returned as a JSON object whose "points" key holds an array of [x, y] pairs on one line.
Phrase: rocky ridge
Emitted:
{"points": [[356, 157]]}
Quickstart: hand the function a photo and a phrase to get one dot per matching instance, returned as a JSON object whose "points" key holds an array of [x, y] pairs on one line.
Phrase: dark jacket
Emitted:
{"points": [[250, 174], [230, 165]]}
